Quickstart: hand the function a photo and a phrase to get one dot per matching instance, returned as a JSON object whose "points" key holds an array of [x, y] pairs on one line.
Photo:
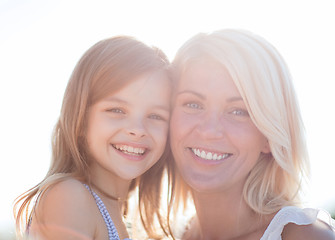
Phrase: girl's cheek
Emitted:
{"points": [[160, 130]]}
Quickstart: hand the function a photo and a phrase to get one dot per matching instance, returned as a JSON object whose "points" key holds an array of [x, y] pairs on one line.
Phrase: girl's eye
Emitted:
{"points": [[193, 105], [156, 117], [240, 112], [115, 110]]}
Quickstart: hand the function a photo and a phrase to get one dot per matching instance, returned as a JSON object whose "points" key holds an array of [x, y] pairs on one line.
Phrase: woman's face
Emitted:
{"points": [[213, 140]]}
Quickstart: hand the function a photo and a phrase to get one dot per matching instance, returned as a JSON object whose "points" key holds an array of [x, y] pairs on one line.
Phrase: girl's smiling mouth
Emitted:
{"points": [[137, 151]]}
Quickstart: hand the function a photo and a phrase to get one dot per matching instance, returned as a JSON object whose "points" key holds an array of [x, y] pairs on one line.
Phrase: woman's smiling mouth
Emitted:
{"points": [[208, 155]]}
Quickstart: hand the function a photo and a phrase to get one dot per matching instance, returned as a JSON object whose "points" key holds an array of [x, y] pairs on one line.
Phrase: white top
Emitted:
{"points": [[297, 216]]}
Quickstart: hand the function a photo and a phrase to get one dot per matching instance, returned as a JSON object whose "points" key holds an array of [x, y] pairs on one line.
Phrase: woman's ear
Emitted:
{"points": [[266, 148]]}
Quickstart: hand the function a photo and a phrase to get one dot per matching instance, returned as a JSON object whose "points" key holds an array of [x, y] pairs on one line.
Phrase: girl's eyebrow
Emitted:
{"points": [[231, 99], [114, 99], [121, 101]]}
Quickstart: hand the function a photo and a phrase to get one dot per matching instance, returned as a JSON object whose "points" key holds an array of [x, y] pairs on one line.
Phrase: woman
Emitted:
{"points": [[238, 141]]}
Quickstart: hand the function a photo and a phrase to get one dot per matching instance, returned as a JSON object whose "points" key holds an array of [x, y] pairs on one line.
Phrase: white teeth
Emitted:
{"points": [[209, 155], [129, 149]]}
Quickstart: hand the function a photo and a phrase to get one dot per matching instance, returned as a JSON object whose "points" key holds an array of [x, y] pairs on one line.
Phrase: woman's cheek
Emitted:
{"points": [[178, 122]]}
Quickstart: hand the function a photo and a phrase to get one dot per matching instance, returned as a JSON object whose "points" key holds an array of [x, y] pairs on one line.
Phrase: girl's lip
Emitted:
{"points": [[135, 152], [132, 144]]}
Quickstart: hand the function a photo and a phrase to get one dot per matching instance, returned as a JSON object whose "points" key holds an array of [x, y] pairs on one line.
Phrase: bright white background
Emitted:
{"points": [[41, 41]]}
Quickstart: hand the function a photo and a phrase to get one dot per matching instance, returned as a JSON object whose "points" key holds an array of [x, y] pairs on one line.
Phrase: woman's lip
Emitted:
{"points": [[208, 156]]}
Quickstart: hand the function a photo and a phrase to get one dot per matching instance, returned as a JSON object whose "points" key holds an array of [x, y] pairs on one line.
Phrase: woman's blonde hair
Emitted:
{"points": [[264, 82], [105, 68]]}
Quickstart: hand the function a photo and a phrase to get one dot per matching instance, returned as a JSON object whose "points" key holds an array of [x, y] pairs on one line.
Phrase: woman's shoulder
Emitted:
{"points": [[316, 230], [307, 223]]}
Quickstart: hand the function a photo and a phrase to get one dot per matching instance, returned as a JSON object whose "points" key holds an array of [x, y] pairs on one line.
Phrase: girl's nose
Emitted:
{"points": [[136, 133], [136, 129]]}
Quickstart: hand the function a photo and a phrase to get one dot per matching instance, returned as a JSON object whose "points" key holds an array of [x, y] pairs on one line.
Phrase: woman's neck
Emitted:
{"points": [[226, 216]]}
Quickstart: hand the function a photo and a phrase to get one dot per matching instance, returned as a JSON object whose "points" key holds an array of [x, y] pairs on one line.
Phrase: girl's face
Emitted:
{"points": [[127, 130], [213, 140]]}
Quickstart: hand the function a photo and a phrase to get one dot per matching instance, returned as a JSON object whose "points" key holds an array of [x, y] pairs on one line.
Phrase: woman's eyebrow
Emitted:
{"points": [[231, 99], [192, 92], [234, 99]]}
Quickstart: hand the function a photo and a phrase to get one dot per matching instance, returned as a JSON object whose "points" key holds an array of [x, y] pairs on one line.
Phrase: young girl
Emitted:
{"points": [[238, 142], [110, 138]]}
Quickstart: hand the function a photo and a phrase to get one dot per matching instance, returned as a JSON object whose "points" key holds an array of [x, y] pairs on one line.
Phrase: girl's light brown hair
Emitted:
{"points": [[105, 68]]}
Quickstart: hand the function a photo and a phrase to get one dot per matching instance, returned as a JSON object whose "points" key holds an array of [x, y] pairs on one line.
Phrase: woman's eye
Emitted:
{"points": [[193, 105], [240, 112]]}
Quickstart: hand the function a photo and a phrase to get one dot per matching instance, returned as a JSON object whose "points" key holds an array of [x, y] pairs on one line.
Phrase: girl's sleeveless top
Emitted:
{"points": [[112, 233], [297, 216]]}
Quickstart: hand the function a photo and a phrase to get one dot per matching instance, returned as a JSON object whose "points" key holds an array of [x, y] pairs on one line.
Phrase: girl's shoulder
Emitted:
{"points": [[300, 223], [68, 193], [64, 208]]}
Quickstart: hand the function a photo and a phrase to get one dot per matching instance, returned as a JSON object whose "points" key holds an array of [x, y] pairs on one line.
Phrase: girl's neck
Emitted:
{"points": [[113, 191], [111, 186]]}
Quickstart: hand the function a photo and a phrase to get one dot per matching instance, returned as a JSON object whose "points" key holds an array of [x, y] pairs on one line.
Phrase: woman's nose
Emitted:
{"points": [[212, 126]]}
